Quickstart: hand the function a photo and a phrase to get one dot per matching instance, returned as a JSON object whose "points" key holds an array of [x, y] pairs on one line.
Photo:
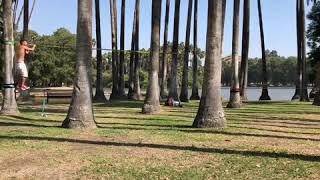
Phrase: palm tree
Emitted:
{"points": [[265, 94], [9, 105], [99, 96], [122, 39], [210, 112], [304, 88], [184, 97], [224, 8], [25, 20], [136, 72], [80, 114], [132, 55], [163, 88], [152, 102], [115, 75], [245, 50], [235, 99], [173, 91], [195, 86]]}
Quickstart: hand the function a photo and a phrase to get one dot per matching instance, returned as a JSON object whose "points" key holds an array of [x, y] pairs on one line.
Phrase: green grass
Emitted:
{"points": [[276, 140]]}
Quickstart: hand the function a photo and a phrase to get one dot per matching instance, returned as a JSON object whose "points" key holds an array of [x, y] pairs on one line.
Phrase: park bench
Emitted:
{"points": [[58, 94]]}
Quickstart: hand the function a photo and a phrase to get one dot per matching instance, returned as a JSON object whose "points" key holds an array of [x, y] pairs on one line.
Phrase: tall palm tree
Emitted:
{"points": [[173, 91], [25, 20], [264, 94], [132, 55], [210, 112], [245, 50], [9, 105], [115, 58], [224, 8], [152, 102], [235, 99], [195, 84], [99, 96], [136, 73], [80, 114], [122, 39], [184, 96], [163, 88], [304, 88]]}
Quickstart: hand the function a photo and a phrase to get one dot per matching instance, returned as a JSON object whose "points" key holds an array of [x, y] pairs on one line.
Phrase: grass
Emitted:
{"points": [[276, 140]]}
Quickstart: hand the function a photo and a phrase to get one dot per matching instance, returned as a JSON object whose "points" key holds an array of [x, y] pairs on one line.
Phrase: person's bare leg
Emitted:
{"points": [[23, 83]]}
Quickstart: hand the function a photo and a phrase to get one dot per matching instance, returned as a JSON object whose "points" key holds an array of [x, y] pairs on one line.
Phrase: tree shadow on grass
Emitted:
{"points": [[222, 151], [272, 118], [13, 124], [142, 118], [217, 132], [123, 104], [269, 124]]}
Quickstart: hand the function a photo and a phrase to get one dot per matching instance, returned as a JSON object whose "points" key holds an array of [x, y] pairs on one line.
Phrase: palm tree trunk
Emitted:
{"points": [[25, 20], [132, 55], [264, 94], [9, 105], [296, 95], [304, 89], [173, 91], [224, 8], [152, 102], [115, 75], [210, 112], [122, 39], [195, 84], [163, 91], [80, 114], [245, 50], [184, 96], [99, 96], [136, 88], [235, 99]]}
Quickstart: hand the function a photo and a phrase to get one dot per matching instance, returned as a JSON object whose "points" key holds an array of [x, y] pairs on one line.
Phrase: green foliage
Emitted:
{"points": [[313, 35]]}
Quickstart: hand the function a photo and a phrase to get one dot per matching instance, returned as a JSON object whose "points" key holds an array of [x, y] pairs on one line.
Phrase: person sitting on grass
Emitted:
{"points": [[21, 68], [172, 103]]}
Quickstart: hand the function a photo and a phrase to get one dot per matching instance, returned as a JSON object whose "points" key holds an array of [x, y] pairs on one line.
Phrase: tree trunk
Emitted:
{"points": [[296, 95], [164, 84], [80, 114], [195, 84], [25, 20], [9, 105], [304, 88], [122, 39], [115, 75], [264, 94], [136, 76], [173, 91], [152, 102], [224, 8], [99, 96], [184, 96], [132, 55], [210, 112], [235, 99], [245, 50]]}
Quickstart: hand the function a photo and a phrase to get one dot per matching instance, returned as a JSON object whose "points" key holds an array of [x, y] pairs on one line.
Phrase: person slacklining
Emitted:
{"points": [[21, 68]]}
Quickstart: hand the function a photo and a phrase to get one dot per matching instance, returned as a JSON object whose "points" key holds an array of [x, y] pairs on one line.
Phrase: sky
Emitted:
{"points": [[279, 23]]}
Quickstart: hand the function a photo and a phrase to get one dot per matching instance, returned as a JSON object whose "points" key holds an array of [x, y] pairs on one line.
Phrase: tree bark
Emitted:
{"points": [[184, 95], [115, 75], [304, 88], [136, 76], [245, 50], [264, 75], [173, 91], [210, 112], [152, 102], [80, 114], [164, 84], [195, 84], [235, 99], [122, 39], [25, 33], [9, 105], [99, 96]]}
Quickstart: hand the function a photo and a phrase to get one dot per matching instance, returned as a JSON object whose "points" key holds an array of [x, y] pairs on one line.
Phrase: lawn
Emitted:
{"points": [[276, 140]]}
